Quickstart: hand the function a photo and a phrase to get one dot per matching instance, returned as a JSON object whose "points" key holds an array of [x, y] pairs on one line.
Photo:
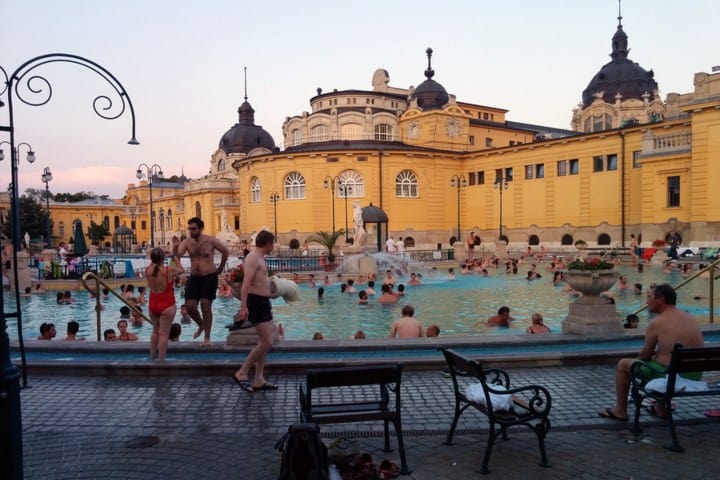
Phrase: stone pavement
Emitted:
{"points": [[205, 427]]}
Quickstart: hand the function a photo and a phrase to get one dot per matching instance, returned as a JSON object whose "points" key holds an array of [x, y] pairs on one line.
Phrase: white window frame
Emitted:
{"points": [[406, 184], [294, 186]]}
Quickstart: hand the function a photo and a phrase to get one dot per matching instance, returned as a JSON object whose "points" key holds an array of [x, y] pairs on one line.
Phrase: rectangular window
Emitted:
{"points": [[488, 142], [540, 170], [574, 166], [481, 178], [636, 159], [529, 170], [562, 168], [362, 159], [485, 116], [512, 143], [143, 225], [471, 140], [612, 161], [673, 184], [498, 174], [332, 160], [508, 174], [237, 222], [598, 162], [471, 178]]}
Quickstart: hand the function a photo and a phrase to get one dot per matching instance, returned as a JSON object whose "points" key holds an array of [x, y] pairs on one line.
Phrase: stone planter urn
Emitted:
{"points": [[591, 283], [592, 314]]}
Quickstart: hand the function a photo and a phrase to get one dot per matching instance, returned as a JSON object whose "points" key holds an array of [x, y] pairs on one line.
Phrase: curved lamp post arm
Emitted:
{"points": [[31, 88]]}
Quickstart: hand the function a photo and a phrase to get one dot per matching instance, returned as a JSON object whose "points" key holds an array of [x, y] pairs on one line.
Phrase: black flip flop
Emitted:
{"points": [[266, 386], [244, 384], [608, 413]]}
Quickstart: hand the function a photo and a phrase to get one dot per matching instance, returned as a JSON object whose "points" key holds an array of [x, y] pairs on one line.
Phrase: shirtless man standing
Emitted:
{"points": [[407, 326], [203, 282], [470, 241], [671, 326], [255, 298]]}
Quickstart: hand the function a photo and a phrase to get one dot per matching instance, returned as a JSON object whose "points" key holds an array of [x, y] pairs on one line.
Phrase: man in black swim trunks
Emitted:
{"points": [[255, 298], [203, 282]]}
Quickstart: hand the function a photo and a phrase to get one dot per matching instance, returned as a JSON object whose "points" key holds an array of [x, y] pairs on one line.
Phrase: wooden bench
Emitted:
{"points": [[530, 404], [683, 360], [322, 400]]}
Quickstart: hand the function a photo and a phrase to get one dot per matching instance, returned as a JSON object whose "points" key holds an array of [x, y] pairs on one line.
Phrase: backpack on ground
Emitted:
{"points": [[304, 455]]}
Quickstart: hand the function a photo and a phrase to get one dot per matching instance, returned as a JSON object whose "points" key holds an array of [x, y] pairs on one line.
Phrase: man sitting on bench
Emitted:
{"points": [[671, 326]]}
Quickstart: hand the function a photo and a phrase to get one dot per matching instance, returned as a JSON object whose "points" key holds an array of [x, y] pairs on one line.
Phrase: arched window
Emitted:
{"points": [[295, 137], [198, 210], [567, 239], [319, 133], [116, 221], [383, 132], [604, 239], [294, 186], [351, 131], [106, 222], [406, 184], [169, 219], [221, 165], [350, 184], [534, 240], [409, 242], [255, 193], [61, 230]]}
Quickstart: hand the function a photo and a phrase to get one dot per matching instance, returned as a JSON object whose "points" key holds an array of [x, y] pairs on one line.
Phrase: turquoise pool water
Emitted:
{"points": [[454, 305]]}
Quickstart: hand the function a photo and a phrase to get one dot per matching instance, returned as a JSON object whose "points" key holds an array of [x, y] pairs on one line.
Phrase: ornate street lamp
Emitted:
{"points": [[15, 159], [458, 181], [31, 88], [329, 182], [345, 189], [501, 183], [133, 214], [162, 226], [150, 173], [46, 178], [274, 197]]}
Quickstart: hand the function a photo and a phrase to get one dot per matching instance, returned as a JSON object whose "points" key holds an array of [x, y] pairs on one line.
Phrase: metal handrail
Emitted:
{"points": [[711, 268], [98, 305]]}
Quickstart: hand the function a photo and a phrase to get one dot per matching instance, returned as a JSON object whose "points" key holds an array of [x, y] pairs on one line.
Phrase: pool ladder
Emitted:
{"points": [[98, 306]]}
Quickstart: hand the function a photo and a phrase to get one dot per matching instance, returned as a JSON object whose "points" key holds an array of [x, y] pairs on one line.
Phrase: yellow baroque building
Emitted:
{"points": [[440, 168]]}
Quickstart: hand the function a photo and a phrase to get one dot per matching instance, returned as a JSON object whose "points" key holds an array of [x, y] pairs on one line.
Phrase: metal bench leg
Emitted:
{"points": [[541, 431], [488, 449], [675, 445], [453, 425], [404, 468], [387, 437]]}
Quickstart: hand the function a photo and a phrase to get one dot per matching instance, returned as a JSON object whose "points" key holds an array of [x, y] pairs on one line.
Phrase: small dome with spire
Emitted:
{"points": [[621, 75], [430, 95], [245, 136]]}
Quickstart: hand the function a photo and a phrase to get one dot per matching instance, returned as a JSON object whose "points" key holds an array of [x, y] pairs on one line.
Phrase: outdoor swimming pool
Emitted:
{"points": [[454, 305]]}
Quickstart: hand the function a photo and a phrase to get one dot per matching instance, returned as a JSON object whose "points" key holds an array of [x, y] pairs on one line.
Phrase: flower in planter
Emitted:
{"points": [[581, 263], [236, 275]]}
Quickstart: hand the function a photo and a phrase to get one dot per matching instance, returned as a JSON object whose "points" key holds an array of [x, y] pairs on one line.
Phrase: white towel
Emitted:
{"points": [[500, 401], [681, 385]]}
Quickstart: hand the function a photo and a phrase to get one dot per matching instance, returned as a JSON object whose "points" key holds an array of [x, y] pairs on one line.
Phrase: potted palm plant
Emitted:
{"points": [[328, 240]]}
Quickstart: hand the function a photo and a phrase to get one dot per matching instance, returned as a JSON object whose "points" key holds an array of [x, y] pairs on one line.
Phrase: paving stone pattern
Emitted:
{"points": [[205, 427]]}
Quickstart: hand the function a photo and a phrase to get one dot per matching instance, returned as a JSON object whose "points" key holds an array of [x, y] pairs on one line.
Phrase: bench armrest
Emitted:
{"points": [[497, 376], [535, 398]]}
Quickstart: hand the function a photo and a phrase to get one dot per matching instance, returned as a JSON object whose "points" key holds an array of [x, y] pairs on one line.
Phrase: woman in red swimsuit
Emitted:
{"points": [[161, 281]]}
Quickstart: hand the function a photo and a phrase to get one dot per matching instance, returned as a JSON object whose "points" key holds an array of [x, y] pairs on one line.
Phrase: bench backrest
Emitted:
{"points": [[348, 376], [694, 359], [458, 363]]}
